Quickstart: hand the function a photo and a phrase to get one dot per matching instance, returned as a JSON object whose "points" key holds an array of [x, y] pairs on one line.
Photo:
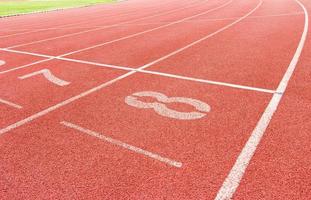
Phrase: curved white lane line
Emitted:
{"points": [[233, 179]]}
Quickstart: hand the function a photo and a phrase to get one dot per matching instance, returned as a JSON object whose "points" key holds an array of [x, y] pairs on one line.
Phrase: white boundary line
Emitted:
{"points": [[14, 105], [101, 86], [234, 177], [102, 28], [123, 145], [238, 86]]}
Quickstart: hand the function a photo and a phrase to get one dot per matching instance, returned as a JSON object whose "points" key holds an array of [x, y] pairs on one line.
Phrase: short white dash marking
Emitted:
{"points": [[14, 105], [122, 144]]}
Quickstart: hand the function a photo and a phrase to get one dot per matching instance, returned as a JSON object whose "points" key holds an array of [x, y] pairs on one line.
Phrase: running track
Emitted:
{"points": [[147, 99]]}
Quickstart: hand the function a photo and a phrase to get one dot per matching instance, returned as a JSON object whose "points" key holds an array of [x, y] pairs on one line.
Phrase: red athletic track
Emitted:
{"points": [[233, 54]]}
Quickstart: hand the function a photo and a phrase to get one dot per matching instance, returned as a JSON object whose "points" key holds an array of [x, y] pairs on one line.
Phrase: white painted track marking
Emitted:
{"points": [[123, 145], [2, 62], [97, 29], [14, 105], [243, 87], [161, 108], [48, 75], [234, 177], [99, 87]]}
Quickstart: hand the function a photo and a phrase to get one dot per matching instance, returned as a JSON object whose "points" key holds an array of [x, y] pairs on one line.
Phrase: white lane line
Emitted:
{"points": [[234, 177], [123, 145], [238, 86], [100, 28], [8, 103], [86, 93]]}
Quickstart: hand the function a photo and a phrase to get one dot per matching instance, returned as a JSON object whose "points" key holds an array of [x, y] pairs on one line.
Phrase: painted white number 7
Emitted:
{"points": [[48, 75]]}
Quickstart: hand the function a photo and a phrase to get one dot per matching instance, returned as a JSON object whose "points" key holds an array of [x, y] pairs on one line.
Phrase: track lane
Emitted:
{"points": [[98, 87], [53, 19], [154, 45], [247, 57], [140, 13], [280, 168], [235, 175], [44, 56], [57, 40], [150, 187], [202, 148], [47, 34]]}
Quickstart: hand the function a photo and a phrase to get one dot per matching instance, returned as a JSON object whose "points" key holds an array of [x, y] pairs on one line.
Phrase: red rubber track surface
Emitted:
{"points": [[84, 140]]}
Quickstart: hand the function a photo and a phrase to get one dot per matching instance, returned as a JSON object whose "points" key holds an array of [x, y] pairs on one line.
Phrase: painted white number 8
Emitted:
{"points": [[160, 107]]}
